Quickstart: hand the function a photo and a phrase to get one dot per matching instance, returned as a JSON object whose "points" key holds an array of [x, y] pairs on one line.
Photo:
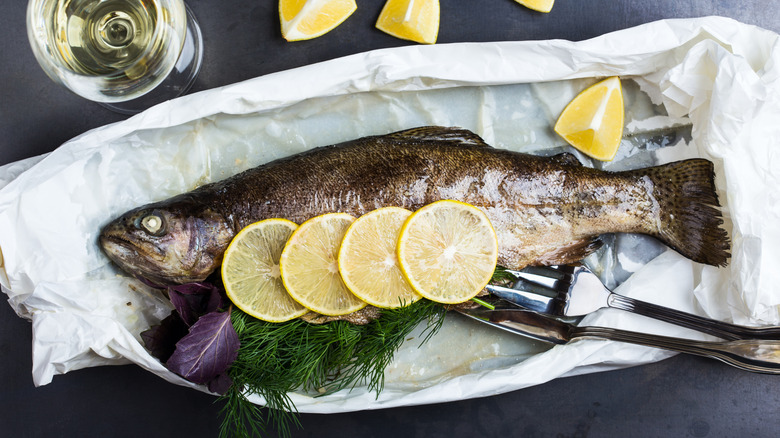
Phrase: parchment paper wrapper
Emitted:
{"points": [[713, 79]]}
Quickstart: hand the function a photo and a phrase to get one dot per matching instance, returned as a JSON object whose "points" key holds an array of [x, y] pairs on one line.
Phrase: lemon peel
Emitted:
{"points": [[368, 262], [413, 20], [309, 266], [307, 19], [593, 121], [448, 251], [537, 5], [250, 271]]}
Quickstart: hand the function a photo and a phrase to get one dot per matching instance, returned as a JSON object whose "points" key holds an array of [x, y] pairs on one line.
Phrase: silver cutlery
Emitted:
{"points": [[568, 291], [761, 356]]}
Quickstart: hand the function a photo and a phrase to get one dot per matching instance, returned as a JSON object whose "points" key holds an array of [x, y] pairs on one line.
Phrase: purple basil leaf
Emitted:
{"points": [[220, 384], [161, 339], [217, 300], [188, 306], [208, 350], [194, 299], [194, 288]]}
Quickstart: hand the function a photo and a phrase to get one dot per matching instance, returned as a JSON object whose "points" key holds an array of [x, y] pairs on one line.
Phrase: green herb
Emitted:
{"points": [[483, 303], [276, 359], [501, 276]]}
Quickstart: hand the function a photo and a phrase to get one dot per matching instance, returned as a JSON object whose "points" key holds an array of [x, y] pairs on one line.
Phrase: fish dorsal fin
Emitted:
{"points": [[566, 159], [439, 133]]}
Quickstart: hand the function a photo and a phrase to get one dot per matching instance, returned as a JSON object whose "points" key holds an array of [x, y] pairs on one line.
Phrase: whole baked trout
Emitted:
{"points": [[545, 210]]}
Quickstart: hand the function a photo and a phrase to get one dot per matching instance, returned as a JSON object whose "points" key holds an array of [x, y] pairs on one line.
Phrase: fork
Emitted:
{"points": [[573, 290], [756, 355]]}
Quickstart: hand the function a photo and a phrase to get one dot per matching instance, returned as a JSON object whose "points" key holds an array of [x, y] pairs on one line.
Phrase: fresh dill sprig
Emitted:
{"points": [[276, 359], [501, 275]]}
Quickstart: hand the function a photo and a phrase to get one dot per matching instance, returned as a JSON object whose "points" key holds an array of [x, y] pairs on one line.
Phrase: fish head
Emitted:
{"points": [[174, 242]]}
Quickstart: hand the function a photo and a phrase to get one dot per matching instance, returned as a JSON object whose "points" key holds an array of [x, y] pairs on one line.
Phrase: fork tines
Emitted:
{"points": [[557, 278]]}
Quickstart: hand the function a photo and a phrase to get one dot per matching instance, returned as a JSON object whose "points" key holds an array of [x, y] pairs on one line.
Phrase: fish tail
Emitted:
{"points": [[690, 214]]}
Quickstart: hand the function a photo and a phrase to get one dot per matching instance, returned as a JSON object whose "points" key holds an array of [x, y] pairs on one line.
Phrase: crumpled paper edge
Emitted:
{"points": [[723, 50]]}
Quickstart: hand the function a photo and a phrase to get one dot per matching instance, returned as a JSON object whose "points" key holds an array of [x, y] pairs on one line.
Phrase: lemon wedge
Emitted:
{"points": [[414, 20], [593, 121], [309, 266], [368, 263], [307, 19], [537, 5], [250, 271], [448, 251]]}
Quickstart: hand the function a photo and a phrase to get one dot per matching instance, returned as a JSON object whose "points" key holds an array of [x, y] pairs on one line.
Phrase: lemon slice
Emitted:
{"points": [[537, 5], [448, 251], [250, 271], [309, 266], [415, 20], [368, 263], [307, 19], [593, 121]]}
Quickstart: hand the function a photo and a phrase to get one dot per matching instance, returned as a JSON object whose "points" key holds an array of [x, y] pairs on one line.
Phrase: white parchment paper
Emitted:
{"points": [[714, 77]]}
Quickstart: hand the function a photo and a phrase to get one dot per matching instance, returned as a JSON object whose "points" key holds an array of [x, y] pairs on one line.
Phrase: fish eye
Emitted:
{"points": [[153, 224]]}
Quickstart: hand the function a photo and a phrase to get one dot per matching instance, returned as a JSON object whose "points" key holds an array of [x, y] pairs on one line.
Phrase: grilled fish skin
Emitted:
{"points": [[546, 210]]}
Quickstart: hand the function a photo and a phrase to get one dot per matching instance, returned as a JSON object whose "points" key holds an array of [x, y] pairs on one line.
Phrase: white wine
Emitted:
{"points": [[107, 50], [100, 37]]}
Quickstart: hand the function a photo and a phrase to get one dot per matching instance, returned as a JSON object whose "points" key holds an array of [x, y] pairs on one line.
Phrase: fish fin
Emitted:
{"points": [[571, 253], [690, 215], [566, 159], [439, 133]]}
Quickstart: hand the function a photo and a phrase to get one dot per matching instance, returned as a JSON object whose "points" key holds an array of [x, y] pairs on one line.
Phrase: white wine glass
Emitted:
{"points": [[128, 55]]}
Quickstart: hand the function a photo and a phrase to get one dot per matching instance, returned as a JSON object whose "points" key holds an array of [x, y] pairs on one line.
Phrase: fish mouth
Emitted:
{"points": [[127, 252]]}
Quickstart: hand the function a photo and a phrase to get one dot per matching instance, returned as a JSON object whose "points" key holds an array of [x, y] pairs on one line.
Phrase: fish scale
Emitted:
{"points": [[546, 210]]}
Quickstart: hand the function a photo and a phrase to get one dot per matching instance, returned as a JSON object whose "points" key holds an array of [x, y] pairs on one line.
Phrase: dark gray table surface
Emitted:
{"points": [[681, 396]]}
